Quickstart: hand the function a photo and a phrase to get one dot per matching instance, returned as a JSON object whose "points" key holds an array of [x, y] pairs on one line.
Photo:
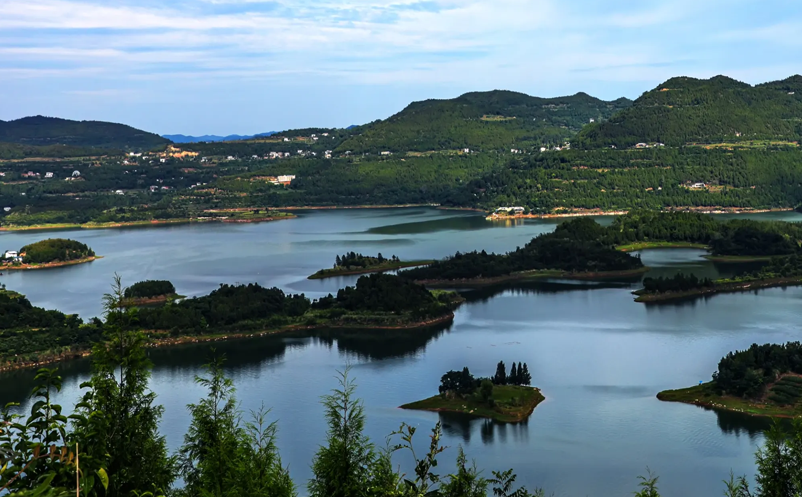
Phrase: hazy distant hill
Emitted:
{"points": [[483, 120], [45, 131], [684, 110], [214, 138]]}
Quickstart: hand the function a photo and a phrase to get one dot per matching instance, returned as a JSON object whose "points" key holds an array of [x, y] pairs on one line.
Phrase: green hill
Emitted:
{"points": [[483, 121], [48, 131], [717, 110]]}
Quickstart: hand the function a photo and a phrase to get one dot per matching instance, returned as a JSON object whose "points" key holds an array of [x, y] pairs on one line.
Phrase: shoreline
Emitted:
{"points": [[140, 224], [155, 342], [50, 265], [733, 287], [599, 212], [701, 396], [322, 276], [537, 274], [435, 404]]}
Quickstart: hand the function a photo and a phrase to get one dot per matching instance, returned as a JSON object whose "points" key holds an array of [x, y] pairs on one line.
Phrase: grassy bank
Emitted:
{"points": [[513, 404], [720, 286], [348, 271], [704, 395], [634, 247], [150, 223], [48, 265], [531, 275]]}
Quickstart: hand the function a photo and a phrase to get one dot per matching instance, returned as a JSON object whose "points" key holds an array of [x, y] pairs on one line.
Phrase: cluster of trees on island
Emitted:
{"points": [[573, 247], [353, 259], [29, 333], [678, 283], [747, 373], [463, 383], [55, 250]]}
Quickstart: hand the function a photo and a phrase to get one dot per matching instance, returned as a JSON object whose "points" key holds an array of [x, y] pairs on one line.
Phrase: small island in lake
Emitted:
{"points": [[150, 292], [50, 253], [763, 380], [504, 398], [780, 271], [353, 263]]}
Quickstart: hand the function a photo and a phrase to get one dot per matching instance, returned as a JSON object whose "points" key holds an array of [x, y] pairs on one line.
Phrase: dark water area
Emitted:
{"points": [[598, 356]]}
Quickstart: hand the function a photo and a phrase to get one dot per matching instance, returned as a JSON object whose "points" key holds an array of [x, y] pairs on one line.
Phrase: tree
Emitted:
{"points": [[117, 418], [648, 485], [777, 472], [486, 392], [526, 378], [500, 378], [513, 379], [466, 482], [347, 466]]}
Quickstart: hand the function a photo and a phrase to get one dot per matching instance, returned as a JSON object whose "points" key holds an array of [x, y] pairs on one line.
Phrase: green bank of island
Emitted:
{"points": [[574, 250], [31, 336], [763, 380], [504, 398], [50, 253], [354, 263], [779, 272]]}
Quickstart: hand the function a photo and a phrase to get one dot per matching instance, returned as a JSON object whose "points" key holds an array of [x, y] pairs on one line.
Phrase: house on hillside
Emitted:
{"points": [[48, 175]]}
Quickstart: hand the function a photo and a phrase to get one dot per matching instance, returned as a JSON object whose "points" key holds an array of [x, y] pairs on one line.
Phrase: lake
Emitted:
{"points": [[598, 357]]}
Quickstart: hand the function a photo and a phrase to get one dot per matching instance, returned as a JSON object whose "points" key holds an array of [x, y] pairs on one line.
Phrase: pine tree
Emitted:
{"points": [[500, 378], [513, 380], [526, 378], [520, 377], [338, 262]]}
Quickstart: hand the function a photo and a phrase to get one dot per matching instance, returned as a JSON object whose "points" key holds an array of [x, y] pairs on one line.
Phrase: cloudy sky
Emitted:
{"points": [[248, 66]]}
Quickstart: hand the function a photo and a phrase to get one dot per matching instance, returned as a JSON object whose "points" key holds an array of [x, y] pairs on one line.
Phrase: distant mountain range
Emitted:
{"points": [[47, 131], [214, 138]]}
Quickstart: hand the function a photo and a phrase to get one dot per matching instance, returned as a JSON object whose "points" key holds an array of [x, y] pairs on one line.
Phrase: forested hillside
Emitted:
{"points": [[687, 110], [42, 131], [482, 121]]}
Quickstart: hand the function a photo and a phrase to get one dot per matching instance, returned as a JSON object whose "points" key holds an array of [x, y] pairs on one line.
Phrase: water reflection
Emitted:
{"points": [[538, 287], [382, 344], [465, 427]]}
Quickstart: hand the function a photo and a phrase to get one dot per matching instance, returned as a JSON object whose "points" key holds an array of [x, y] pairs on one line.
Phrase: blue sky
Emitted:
{"points": [[248, 66]]}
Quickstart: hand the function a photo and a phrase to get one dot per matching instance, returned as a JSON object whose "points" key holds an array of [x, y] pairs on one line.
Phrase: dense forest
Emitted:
{"points": [[678, 283], [688, 110], [42, 131], [573, 247], [27, 331], [149, 288], [747, 373], [352, 259], [55, 249]]}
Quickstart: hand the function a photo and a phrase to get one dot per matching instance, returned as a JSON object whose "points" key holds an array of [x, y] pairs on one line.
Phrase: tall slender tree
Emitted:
{"points": [[500, 378], [118, 417], [513, 379]]}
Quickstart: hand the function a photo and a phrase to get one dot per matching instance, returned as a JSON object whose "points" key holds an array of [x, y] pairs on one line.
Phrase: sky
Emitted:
{"points": [[250, 66]]}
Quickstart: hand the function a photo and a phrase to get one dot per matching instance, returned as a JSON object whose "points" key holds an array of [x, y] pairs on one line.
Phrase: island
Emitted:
{"points": [[377, 303], [780, 271], [354, 263], [573, 250], [150, 292], [503, 398], [763, 380], [50, 253]]}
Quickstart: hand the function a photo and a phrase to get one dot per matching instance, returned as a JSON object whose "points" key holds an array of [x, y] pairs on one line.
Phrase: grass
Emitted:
{"points": [[380, 268], [705, 395], [632, 247], [513, 404]]}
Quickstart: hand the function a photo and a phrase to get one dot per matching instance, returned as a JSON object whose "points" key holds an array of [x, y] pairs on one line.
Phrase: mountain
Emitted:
{"points": [[45, 131], [688, 110], [214, 138], [483, 120]]}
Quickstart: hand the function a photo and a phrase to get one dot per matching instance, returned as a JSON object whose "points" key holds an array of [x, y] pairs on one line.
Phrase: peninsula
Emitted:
{"points": [[377, 302], [50, 253], [763, 380], [504, 398], [353, 263], [779, 272]]}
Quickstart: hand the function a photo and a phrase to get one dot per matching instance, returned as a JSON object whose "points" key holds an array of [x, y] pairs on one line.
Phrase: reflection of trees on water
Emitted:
{"points": [[380, 344], [464, 426], [734, 423], [542, 287]]}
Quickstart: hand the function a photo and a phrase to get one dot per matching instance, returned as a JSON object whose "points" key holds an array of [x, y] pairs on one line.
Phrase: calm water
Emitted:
{"points": [[599, 357]]}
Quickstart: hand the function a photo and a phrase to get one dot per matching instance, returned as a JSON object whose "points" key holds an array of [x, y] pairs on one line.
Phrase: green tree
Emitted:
{"points": [[117, 417], [348, 465], [777, 472], [513, 379], [500, 378], [466, 482]]}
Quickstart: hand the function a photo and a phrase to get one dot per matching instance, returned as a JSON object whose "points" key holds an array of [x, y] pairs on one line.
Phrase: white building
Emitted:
{"points": [[698, 185], [542, 149], [287, 178], [592, 120], [75, 174], [48, 175], [119, 192], [7, 209], [387, 153], [286, 139], [10, 254], [466, 150]]}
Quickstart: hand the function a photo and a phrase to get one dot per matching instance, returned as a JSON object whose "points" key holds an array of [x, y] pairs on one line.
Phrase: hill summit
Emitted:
{"points": [[688, 110], [44, 131]]}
